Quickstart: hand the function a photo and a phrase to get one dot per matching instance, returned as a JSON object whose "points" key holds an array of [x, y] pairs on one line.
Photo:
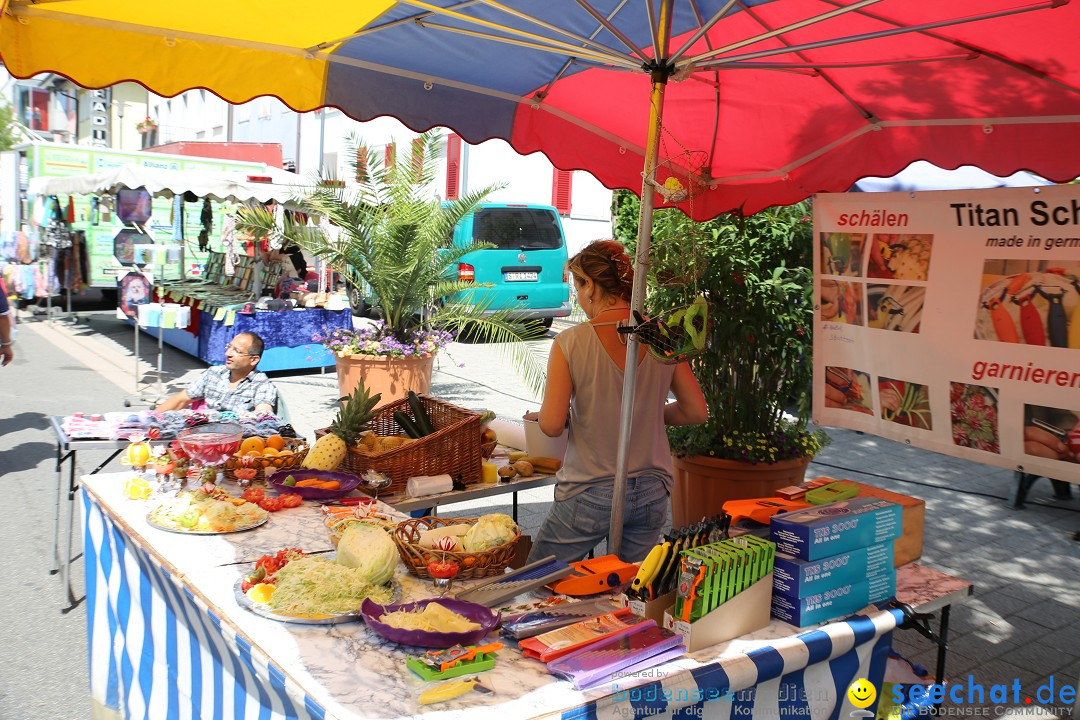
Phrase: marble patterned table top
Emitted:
{"points": [[352, 672]]}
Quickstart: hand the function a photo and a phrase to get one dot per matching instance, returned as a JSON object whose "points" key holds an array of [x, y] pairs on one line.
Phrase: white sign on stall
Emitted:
{"points": [[951, 320]]}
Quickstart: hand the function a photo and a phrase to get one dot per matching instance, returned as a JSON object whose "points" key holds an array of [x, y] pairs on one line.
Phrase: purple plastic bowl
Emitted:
{"points": [[488, 619], [348, 481]]}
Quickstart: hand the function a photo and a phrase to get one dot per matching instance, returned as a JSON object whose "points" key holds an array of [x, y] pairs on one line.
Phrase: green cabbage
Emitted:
{"points": [[488, 532], [370, 550]]}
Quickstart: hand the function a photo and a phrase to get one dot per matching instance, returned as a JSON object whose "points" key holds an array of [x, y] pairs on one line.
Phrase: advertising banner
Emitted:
{"points": [[951, 320]]}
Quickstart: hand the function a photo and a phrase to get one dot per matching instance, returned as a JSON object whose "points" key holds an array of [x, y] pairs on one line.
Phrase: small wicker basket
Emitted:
{"points": [[472, 564], [453, 449], [297, 451]]}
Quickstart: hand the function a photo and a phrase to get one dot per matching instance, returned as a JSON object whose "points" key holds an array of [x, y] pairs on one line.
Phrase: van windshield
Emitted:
{"points": [[517, 228]]}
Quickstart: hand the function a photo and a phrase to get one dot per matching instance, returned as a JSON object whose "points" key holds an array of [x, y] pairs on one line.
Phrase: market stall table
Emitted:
{"points": [[168, 638]]}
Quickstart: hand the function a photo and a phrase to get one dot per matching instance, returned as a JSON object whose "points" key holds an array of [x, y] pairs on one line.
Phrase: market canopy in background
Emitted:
{"points": [[770, 101], [160, 182]]}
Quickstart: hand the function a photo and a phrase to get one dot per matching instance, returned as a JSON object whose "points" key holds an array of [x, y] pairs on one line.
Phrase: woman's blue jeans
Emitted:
{"points": [[573, 527]]}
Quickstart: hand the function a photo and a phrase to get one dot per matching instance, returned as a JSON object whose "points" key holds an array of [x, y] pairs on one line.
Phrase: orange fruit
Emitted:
{"points": [[253, 453], [252, 443], [267, 452], [275, 441]]}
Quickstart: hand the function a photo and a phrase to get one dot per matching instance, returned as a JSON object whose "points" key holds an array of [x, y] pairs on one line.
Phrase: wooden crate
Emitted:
{"points": [[907, 547]]}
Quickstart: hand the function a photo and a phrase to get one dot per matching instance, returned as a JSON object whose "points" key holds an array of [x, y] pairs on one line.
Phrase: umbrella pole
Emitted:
{"points": [[637, 301]]}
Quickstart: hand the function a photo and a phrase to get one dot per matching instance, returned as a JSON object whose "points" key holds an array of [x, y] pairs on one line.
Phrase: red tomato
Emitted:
{"points": [[254, 495], [270, 504], [291, 500]]}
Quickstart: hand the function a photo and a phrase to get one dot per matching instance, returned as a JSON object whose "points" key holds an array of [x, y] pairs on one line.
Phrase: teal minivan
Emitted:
{"points": [[527, 265]]}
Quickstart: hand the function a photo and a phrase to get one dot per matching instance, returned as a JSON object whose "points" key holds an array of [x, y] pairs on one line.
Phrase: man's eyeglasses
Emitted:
{"points": [[236, 351]]}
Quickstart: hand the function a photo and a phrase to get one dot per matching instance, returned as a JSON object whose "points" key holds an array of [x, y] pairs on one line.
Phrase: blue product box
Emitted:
{"points": [[825, 530], [795, 577], [834, 602]]}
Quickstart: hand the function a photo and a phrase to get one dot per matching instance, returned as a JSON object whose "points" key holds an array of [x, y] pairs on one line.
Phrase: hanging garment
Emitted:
{"points": [[70, 215], [206, 217]]}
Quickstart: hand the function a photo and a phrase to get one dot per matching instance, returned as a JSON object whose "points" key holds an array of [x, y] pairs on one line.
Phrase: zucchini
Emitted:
{"points": [[423, 422], [406, 424]]}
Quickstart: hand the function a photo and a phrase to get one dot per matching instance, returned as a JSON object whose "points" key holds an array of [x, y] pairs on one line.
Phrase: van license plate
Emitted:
{"points": [[520, 277]]}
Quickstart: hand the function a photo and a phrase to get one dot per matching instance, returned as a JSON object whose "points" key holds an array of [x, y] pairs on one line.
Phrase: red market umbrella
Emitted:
{"points": [[745, 103]]}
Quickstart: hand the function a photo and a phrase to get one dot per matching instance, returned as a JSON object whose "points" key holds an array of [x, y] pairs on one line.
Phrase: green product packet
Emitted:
{"points": [[706, 568], [715, 560], [731, 572]]}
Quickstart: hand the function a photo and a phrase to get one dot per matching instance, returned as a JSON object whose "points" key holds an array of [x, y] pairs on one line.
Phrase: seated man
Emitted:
{"points": [[233, 386]]}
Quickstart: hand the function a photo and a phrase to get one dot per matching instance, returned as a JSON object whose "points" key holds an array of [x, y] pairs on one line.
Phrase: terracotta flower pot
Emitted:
{"points": [[391, 376], [703, 484]]}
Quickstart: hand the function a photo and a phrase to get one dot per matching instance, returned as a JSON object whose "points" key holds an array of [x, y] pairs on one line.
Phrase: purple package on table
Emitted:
{"points": [[631, 650]]}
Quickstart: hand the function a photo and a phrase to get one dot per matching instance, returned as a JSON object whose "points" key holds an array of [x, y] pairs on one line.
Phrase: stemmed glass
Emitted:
{"points": [[209, 446], [443, 571]]}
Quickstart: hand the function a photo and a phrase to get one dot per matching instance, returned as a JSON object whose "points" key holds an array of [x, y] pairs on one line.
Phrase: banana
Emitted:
{"points": [[650, 567], [447, 691]]}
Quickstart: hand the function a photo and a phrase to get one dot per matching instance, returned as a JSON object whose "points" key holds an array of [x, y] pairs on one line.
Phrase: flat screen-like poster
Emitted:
{"points": [[951, 320]]}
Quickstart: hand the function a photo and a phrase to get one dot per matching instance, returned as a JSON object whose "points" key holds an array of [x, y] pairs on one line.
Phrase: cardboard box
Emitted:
{"points": [[825, 530], [652, 609], [834, 602], [796, 577], [746, 612], [907, 547]]}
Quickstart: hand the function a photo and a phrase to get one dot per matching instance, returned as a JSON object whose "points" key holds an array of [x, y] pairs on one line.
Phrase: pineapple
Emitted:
{"points": [[352, 419]]}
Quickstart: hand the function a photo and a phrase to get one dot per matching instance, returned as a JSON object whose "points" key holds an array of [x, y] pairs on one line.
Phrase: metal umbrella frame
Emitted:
{"points": [[497, 69]]}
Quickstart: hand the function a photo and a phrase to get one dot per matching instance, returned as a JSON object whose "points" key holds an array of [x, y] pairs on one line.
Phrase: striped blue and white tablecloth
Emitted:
{"points": [[157, 650]]}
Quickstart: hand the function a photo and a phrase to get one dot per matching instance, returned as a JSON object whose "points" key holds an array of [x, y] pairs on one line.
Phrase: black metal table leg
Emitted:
{"points": [[515, 508], [943, 644]]}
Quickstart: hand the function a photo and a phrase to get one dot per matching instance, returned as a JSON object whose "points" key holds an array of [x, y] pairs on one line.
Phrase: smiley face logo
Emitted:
{"points": [[861, 693]]}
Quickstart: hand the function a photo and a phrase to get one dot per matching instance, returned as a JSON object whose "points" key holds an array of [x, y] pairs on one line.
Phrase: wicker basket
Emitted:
{"points": [[453, 449], [472, 565], [271, 464]]}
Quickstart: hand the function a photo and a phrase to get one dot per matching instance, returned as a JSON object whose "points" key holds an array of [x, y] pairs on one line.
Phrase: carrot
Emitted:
{"points": [[329, 485], [310, 482]]}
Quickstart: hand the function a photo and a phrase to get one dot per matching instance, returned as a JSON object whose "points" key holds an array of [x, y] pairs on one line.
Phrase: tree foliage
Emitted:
{"points": [[390, 235], [755, 274]]}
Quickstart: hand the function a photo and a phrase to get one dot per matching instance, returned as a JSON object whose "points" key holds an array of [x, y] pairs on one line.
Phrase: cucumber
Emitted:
{"points": [[406, 424], [423, 422]]}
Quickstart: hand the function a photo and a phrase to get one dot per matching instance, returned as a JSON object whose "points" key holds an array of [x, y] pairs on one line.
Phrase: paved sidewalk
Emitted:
{"points": [[1022, 627]]}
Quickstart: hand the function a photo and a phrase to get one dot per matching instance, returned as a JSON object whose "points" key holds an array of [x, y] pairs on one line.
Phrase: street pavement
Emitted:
{"points": [[1020, 627]]}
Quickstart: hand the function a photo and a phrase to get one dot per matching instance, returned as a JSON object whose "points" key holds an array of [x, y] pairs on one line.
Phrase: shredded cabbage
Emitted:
{"points": [[316, 586]]}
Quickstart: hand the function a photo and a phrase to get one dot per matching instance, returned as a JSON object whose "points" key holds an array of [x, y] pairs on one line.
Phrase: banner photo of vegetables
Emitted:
{"points": [[905, 403], [841, 302], [1030, 302], [900, 257], [842, 253], [973, 410], [1052, 433], [895, 307], [848, 389]]}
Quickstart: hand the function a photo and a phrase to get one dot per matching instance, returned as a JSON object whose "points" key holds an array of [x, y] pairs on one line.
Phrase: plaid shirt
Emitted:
{"points": [[213, 386]]}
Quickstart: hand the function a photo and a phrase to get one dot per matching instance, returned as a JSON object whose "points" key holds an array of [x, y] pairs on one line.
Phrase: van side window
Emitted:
{"points": [[517, 228]]}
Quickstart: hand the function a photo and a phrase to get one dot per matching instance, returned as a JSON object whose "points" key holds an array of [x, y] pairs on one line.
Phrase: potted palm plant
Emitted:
{"points": [[754, 274], [387, 233]]}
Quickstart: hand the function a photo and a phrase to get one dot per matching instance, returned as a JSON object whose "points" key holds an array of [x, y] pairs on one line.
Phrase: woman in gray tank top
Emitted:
{"points": [[584, 382]]}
